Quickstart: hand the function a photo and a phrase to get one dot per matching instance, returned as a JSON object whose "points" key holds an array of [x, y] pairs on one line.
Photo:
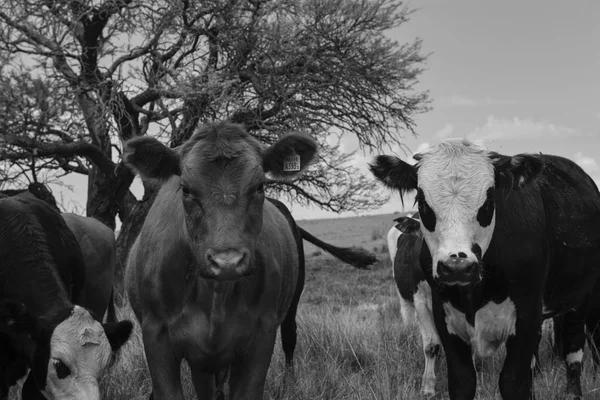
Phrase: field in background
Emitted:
{"points": [[351, 341]]}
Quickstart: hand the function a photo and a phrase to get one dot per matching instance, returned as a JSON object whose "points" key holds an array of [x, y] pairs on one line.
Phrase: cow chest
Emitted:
{"points": [[493, 324]]}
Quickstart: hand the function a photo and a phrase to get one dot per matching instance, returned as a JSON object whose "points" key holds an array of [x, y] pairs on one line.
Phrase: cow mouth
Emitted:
{"points": [[225, 275], [464, 276]]}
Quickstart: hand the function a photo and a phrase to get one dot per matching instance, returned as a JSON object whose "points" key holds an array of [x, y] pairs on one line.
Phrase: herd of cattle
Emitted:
{"points": [[499, 244]]}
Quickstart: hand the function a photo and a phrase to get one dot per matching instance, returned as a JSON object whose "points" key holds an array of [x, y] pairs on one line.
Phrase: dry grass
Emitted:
{"points": [[351, 341]]}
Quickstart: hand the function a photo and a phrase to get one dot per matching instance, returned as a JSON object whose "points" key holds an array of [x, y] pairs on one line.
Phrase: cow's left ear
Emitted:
{"points": [[151, 159], [516, 171], [290, 155], [118, 333]]}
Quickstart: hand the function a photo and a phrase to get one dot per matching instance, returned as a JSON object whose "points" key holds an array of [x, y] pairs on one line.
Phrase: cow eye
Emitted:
{"points": [[62, 371], [260, 188], [185, 190]]}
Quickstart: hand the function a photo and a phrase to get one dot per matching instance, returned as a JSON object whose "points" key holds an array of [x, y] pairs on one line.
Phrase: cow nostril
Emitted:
{"points": [[211, 260], [462, 255], [453, 256]]}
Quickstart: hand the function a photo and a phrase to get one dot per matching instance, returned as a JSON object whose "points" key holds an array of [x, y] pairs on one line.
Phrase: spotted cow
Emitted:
{"points": [[404, 244], [508, 241]]}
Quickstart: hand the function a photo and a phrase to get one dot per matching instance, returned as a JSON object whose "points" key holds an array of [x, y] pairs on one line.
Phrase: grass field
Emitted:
{"points": [[351, 340]]}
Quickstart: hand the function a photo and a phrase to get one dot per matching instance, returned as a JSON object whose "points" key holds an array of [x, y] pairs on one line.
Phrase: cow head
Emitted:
{"points": [[220, 172], [456, 184], [73, 354], [67, 353]]}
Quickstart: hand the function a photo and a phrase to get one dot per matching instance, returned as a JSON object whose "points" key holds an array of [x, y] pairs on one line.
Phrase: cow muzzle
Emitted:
{"points": [[458, 270], [228, 265]]}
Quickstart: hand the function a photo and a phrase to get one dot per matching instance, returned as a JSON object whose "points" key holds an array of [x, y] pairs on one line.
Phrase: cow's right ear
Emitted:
{"points": [[151, 159], [395, 173], [408, 225]]}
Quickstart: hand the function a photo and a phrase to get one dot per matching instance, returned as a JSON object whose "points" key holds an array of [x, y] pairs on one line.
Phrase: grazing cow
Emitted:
{"points": [[509, 241], [216, 268], [404, 244], [99, 249], [41, 275]]}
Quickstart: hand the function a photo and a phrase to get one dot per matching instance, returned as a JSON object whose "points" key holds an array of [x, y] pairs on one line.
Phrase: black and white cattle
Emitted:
{"points": [[42, 327], [404, 244], [509, 241]]}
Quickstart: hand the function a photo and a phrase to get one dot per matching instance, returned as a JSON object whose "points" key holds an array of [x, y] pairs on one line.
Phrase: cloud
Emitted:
{"points": [[517, 128], [422, 146], [445, 132], [463, 101], [587, 163]]}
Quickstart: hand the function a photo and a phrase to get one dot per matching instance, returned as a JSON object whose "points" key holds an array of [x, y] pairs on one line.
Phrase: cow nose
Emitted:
{"points": [[225, 259], [458, 269], [227, 262]]}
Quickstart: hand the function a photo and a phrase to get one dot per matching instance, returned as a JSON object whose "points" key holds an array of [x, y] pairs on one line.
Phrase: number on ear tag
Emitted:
{"points": [[291, 163]]}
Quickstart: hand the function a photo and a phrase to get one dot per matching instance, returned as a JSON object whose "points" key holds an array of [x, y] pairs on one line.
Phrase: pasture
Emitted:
{"points": [[352, 343]]}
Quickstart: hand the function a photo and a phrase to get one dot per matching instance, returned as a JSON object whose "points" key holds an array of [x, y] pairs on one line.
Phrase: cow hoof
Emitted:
{"points": [[428, 387]]}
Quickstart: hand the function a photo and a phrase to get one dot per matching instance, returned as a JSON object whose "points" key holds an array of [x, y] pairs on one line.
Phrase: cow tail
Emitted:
{"points": [[357, 257]]}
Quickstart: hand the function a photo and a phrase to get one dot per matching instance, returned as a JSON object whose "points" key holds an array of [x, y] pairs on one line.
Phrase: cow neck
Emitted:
{"points": [[44, 294]]}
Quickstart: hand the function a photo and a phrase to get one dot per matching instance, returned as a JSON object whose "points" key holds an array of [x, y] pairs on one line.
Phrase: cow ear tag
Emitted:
{"points": [[291, 163]]}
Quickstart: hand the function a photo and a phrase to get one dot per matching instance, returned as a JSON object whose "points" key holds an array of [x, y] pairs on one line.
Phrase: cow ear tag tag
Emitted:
{"points": [[291, 163]]}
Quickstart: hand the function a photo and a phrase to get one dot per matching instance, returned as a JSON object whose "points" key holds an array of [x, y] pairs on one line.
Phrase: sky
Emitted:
{"points": [[517, 76]]}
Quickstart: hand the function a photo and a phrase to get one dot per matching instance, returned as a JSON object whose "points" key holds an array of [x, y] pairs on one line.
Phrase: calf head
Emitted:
{"points": [[456, 184], [221, 174], [67, 353]]}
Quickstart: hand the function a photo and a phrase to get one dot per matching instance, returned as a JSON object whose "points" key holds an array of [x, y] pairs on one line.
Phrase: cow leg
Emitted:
{"points": [[516, 377], [163, 364], [462, 379], [573, 343], [289, 327], [431, 340], [248, 374], [204, 383]]}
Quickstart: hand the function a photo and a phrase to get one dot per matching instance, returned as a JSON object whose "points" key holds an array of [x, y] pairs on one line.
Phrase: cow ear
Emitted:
{"points": [[516, 171], [118, 333], [290, 155], [408, 225], [151, 159], [395, 173]]}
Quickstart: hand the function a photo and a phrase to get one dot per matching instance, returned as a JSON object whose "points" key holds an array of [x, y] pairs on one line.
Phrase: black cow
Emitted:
{"points": [[509, 241], [41, 273]]}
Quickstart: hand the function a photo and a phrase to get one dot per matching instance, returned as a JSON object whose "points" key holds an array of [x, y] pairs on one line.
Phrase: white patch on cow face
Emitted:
{"points": [[79, 354], [494, 323], [455, 177]]}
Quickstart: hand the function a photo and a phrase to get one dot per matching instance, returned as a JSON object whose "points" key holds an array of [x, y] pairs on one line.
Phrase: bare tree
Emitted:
{"points": [[87, 74]]}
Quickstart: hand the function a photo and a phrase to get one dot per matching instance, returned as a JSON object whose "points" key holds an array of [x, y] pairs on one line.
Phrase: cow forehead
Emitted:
{"points": [[80, 341], [455, 170]]}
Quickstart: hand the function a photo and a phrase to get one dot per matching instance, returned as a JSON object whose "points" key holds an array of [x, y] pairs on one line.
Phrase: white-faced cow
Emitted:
{"points": [[41, 277], [404, 244], [216, 269], [508, 241]]}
